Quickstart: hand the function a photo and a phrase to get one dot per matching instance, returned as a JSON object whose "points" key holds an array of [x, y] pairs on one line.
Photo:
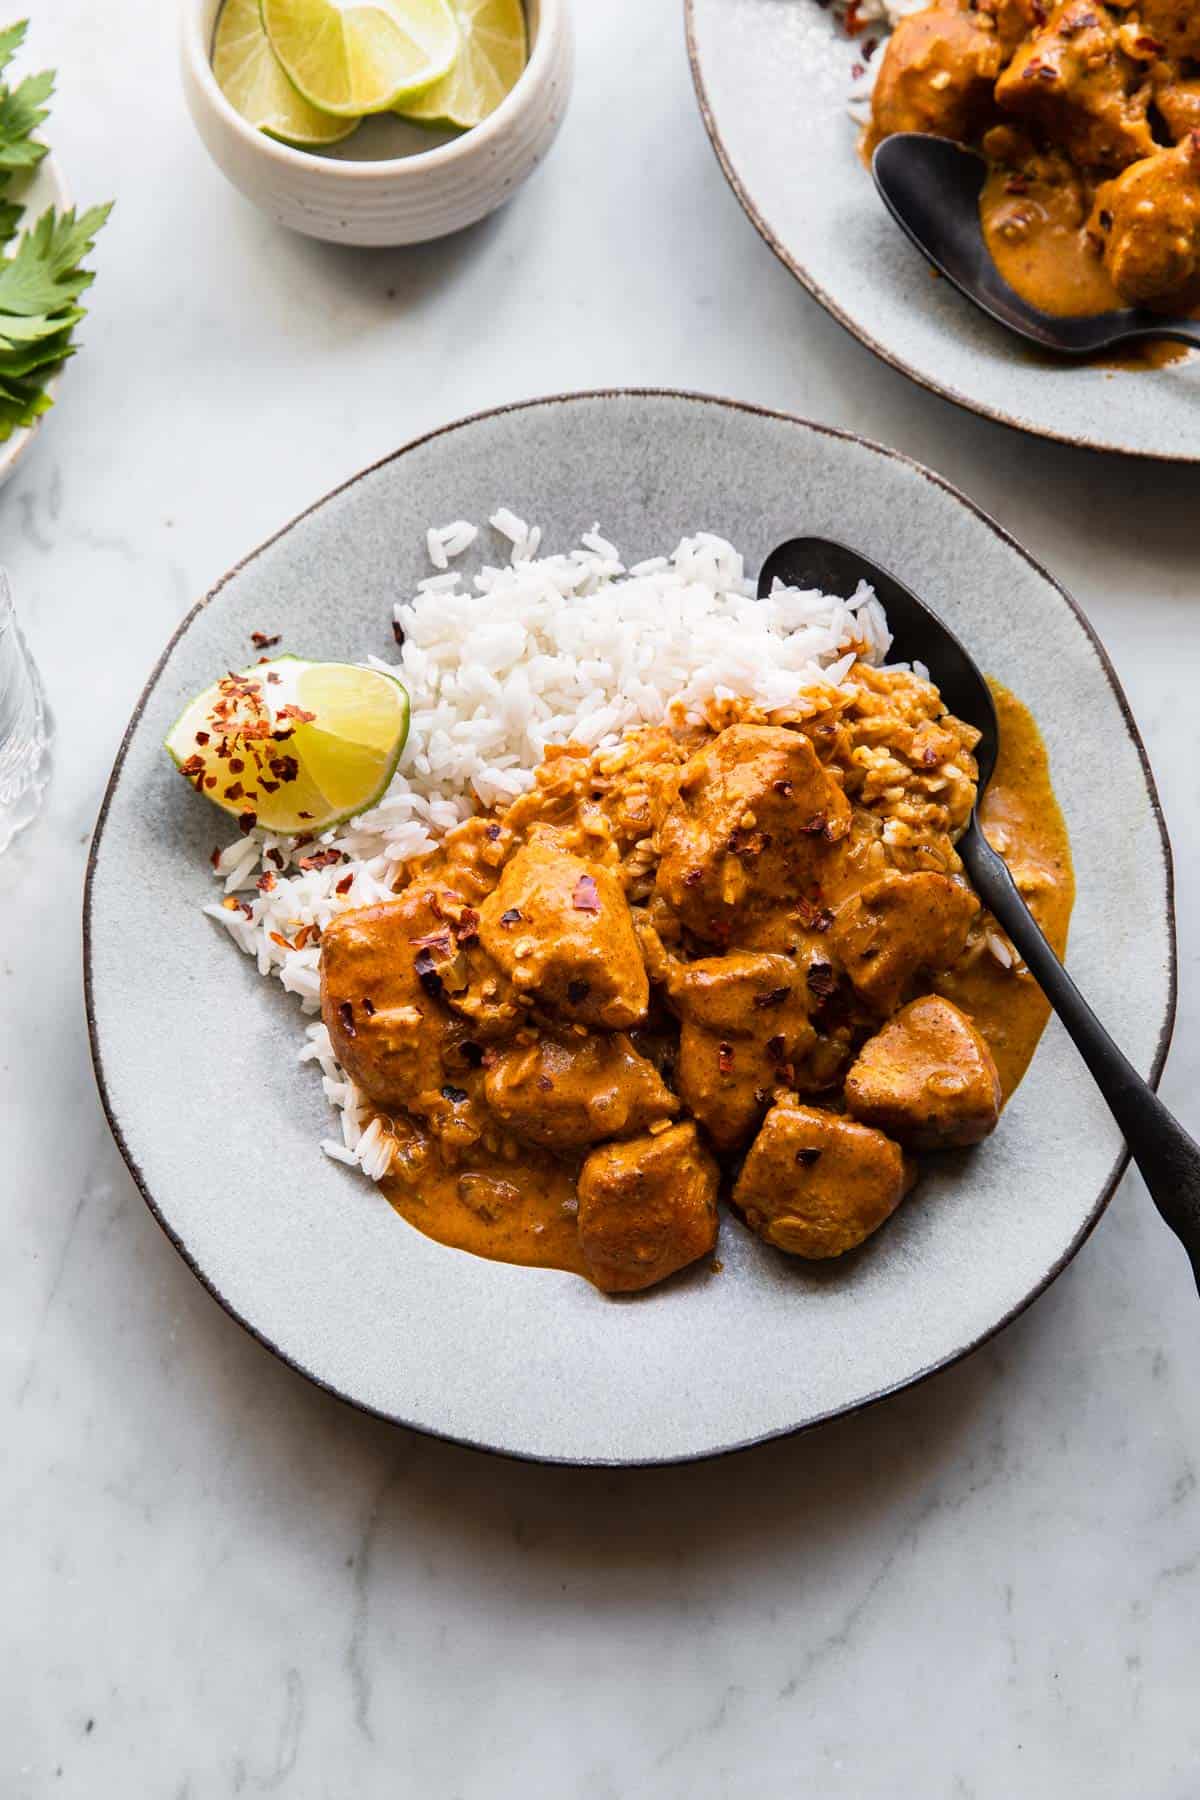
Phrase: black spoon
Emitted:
{"points": [[931, 187], [1167, 1157]]}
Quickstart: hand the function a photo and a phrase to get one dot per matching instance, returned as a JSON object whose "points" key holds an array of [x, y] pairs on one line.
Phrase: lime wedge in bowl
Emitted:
{"points": [[249, 75], [493, 51], [363, 56], [293, 746]]}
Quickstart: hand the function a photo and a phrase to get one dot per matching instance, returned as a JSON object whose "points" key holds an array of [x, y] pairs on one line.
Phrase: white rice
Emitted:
{"points": [[568, 648]]}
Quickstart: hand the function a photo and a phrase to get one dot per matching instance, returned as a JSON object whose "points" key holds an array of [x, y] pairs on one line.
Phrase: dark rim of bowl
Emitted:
{"points": [[981, 407], [883, 1393]]}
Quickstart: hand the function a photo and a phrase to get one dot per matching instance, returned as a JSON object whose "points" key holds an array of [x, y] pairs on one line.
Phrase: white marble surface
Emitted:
{"points": [[216, 1580]]}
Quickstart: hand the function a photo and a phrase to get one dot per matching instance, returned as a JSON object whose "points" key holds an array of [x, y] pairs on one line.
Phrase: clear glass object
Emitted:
{"points": [[24, 726]]}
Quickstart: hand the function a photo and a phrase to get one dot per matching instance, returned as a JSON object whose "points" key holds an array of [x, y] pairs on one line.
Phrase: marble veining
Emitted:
{"points": [[219, 1581]]}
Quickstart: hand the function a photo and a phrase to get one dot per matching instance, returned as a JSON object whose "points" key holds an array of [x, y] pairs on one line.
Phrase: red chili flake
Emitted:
{"points": [[344, 885], [725, 1058], [693, 877], [454, 1095], [288, 711], [814, 917], [346, 1015], [815, 825], [776, 997], [397, 631], [427, 973], [265, 882], [215, 858], [467, 927], [870, 46], [277, 938], [807, 1157], [210, 781], [202, 737], [492, 833], [275, 856], [775, 1048], [749, 843], [236, 765], [786, 788], [321, 859], [246, 822], [511, 917], [853, 23], [304, 815], [273, 677], [433, 940], [577, 992], [193, 766], [586, 897], [234, 791], [821, 980], [261, 641], [368, 1006], [544, 1082], [284, 768]]}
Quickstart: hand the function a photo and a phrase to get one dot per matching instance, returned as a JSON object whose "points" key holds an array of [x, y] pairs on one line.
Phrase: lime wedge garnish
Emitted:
{"points": [[493, 50], [249, 76], [293, 746], [362, 56]]}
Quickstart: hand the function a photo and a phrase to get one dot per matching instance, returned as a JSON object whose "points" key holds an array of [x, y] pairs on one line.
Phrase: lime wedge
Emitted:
{"points": [[293, 746], [364, 55], [494, 48], [249, 76]]}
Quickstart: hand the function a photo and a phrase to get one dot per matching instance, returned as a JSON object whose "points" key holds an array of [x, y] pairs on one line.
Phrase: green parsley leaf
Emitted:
{"points": [[43, 274]]}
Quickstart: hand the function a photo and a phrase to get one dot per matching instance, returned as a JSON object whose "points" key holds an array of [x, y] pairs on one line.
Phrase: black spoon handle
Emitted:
{"points": [[1167, 1157], [1179, 331]]}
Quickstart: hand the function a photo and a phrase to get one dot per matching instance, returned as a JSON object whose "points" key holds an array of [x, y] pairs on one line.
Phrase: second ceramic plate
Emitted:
{"points": [[772, 77], [196, 1055]]}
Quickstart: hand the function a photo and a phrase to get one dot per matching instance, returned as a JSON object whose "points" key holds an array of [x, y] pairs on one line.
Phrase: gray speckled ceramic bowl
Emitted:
{"points": [[195, 1055], [772, 78]]}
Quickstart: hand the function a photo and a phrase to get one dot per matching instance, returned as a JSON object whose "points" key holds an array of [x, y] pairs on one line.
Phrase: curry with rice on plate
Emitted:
{"points": [[663, 910]]}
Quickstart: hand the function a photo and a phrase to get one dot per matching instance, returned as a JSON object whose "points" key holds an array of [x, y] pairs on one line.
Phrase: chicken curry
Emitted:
{"points": [[734, 960], [1089, 117]]}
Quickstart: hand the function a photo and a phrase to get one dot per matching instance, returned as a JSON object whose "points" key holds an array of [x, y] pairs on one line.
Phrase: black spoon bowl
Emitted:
{"points": [[1168, 1158], [931, 187]]}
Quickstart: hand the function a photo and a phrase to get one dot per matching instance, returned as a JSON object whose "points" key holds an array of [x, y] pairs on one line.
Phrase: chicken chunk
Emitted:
{"points": [[563, 1092], [756, 819], [899, 927], [927, 1079], [937, 74], [386, 1019], [1148, 223], [647, 1207], [745, 1023], [1178, 104], [560, 929], [1073, 81], [816, 1185], [1173, 24]]}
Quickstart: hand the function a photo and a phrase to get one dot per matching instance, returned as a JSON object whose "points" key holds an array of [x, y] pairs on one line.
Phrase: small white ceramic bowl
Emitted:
{"points": [[391, 182]]}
